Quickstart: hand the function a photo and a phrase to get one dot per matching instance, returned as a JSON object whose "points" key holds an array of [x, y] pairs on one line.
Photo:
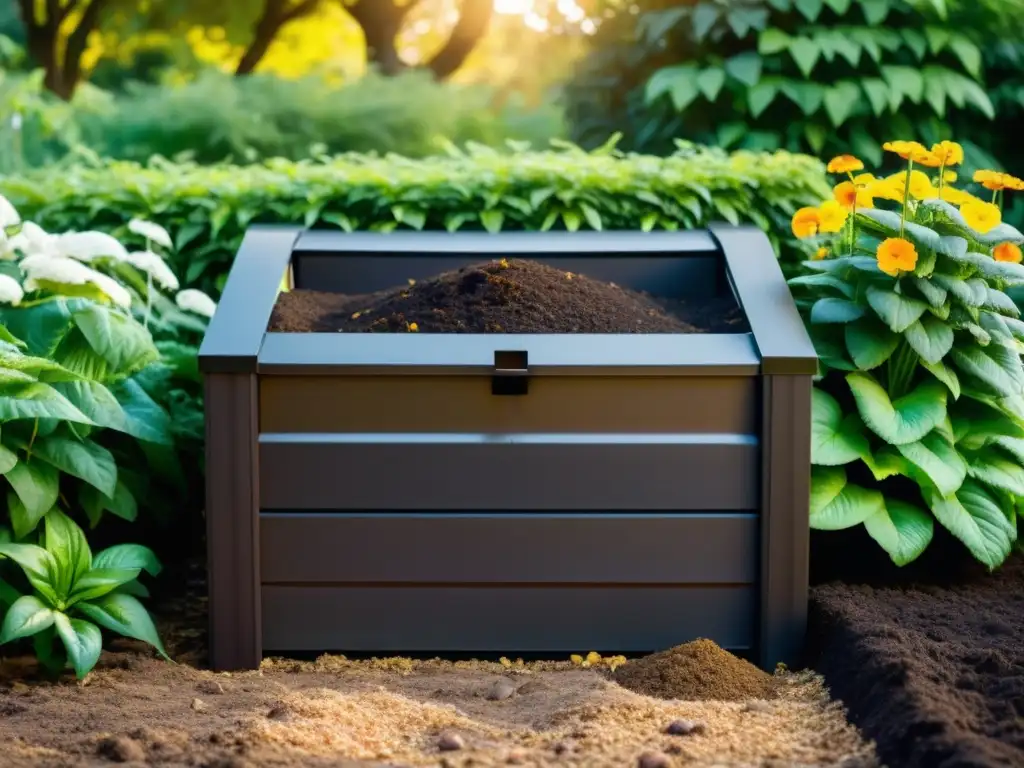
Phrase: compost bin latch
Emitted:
{"points": [[511, 373]]}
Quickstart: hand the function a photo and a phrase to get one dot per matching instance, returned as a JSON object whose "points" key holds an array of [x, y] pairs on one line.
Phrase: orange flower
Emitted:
{"points": [[905, 148], [1007, 252], [896, 255], [981, 216], [846, 194], [806, 222], [926, 158], [949, 152], [993, 180], [820, 254], [832, 216], [845, 164]]}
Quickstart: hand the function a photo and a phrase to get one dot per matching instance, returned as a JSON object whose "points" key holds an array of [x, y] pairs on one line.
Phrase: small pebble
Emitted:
{"points": [[561, 748], [449, 742], [198, 705], [654, 760], [757, 706], [684, 728], [210, 688], [501, 690], [516, 757]]}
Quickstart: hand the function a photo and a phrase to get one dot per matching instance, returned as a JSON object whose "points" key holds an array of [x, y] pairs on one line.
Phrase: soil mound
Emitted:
{"points": [[695, 671], [934, 674], [507, 296]]}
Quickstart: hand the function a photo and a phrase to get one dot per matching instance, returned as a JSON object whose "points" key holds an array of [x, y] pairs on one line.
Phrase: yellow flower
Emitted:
{"points": [[1007, 252], [846, 194], [949, 152], [820, 254], [920, 185], [832, 216], [1012, 182], [865, 183], [896, 255], [926, 158], [981, 216], [993, 180], [806, 222], [413, 327], [956, 196], [905, 148], [887, 190], [845, 164], [949, 176]]}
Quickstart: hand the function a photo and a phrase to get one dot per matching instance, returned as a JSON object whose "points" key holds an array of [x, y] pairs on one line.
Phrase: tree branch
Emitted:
{"points": [[77, 42], [276, 14], [473, 21]]}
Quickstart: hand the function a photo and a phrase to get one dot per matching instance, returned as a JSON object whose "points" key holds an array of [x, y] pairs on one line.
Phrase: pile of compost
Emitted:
{"points": [[507, 296]]}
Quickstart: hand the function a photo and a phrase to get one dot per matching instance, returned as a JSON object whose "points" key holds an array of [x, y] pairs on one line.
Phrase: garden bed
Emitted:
{"points": [[934, 674], [345, 713]]}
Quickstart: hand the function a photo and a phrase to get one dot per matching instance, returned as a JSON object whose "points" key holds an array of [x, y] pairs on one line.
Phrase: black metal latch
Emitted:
{"points": [[511, 373]]}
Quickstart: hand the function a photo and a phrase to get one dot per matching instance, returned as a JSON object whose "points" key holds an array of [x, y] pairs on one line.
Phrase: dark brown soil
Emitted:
{"points": [[515, 296], [935, 675], [696, 670], [135, 709]]}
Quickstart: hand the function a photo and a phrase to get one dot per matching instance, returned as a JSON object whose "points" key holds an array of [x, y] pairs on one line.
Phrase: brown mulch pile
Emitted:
{"points": [[934, 674], [507, 296], [696, 670]]}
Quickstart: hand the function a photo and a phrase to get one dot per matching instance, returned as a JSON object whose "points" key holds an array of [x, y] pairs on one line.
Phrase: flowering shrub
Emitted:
{"points": [[76, 355], [918, 411]]}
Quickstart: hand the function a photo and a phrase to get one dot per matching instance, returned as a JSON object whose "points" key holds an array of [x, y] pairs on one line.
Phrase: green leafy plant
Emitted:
{"points": [[918, 414], [73, 594], [208, 208]]}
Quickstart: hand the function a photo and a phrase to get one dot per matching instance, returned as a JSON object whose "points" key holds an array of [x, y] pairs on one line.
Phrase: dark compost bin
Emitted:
{"points": [[506, 492]]}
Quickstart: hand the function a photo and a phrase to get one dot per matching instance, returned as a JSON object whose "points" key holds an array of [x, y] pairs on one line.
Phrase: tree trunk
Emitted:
{"points": [[43, 41], [276, 13], [474, 19]]}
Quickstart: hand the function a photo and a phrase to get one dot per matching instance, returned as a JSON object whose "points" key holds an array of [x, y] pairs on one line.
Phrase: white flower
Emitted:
{"points": [[192, 300], [43, 271], [8, 214], [34, 240], [154, 266], [10, 290], [86, 246], [150, 231]]}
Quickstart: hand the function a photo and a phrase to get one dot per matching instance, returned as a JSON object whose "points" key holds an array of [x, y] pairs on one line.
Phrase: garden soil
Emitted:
{"points": [[507, 296], [933, 673], [137, 710]]}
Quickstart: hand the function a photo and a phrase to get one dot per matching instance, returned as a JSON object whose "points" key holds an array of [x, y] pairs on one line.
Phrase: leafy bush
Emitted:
{"points": [[81, 433], [804, 75], [209, 207], [919, 410], [218, 118]]}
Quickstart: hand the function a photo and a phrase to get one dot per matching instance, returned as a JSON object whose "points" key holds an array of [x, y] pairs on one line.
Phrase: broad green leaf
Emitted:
{"points": [[745, 67], [989, 366], [933, 293], [678, 82], [826, 484], [946, 375], [36, 484], [806, 95], [824, 281], [851, 507], [83, 459], [902, 530], [830, 310], [39, 567], [8, 459], [492, 220], [968, 53], [810, 9], [870, 343], [886, 463], [120, 340], [128, 556], [930, 338], [704, 17], [95, 503], [907, 420], [124, 615], [976, 519], [996, 469], [66, 542], [710, 81], [906, 81], [82, 641], [100, 581], [875, 11], [760, 97], [27, 616], [38, 401], [840, 101], [997, 301], [771, 41], [1012, 445], [898, 311], [936, 457], [835, 440], [805, 53]]}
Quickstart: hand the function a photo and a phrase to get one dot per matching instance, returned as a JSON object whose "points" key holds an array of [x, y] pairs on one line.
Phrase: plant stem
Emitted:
{"points": [[149, 290], [900, 370], [906, 195], [32, 440]]}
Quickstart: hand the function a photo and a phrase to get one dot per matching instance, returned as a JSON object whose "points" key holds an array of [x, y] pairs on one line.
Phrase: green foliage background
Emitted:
{"points": [[208, 208]]}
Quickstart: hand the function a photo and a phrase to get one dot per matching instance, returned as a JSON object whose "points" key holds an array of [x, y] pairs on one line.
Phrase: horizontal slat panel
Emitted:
{"points": [[718, 404], [494, 619], [632, 548], [519, 472]]}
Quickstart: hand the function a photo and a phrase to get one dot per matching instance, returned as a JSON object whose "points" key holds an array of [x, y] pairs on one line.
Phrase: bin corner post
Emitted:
{"points": [[785, 511], [232, 521]]}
